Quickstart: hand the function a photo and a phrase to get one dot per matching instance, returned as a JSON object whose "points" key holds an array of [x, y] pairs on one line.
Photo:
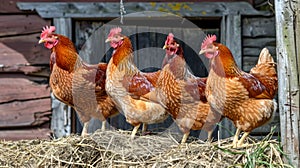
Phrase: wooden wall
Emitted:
{"points": [[25, 104]]}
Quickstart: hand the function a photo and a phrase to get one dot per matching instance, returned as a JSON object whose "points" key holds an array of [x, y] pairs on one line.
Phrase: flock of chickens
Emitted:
{"points": [[103, 90]]}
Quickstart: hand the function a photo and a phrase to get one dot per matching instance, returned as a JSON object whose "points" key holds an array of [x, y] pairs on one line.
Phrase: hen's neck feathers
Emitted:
{"points": [[66, 56], [224, 63], [124, 51]]}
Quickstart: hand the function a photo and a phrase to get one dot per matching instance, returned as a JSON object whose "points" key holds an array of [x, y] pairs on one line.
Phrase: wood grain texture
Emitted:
{"points": [[13, 89], [259, 26], [25, 134], [288, 49], [11, 5], [23, 49], [20, 24], [110, 10], [25, 113]]}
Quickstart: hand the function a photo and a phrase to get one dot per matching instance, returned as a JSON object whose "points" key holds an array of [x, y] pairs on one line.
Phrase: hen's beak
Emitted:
{"points": [[165, 46], [107, 40], [41, 41], [202, 51]]}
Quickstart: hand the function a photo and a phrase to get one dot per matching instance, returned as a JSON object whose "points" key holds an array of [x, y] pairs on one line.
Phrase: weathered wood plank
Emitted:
{"points": [[34, 78], [25, 134], [146, 52], [23, 49], [25, 113], [13, 89], [233, 31], [20, 68], [87, 35], [259, 26], [11, 5], [254, 52], [111, 10], [249, 62], [260, 42], [20, 24], [287, 28], [14, 61], [10, 57]]}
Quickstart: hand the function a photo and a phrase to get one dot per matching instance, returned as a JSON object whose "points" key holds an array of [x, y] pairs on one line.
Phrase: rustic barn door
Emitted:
{"points": [[147, 42], [229, 13]]}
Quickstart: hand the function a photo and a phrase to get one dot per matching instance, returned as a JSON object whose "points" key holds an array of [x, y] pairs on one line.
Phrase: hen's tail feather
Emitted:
{"points": [[265, 57], [265, 64], [265, 72]]}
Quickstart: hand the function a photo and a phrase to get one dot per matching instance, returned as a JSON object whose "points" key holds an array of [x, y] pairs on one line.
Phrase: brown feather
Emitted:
{"points": [[183, 95], [152, 77], [124, 51], [78, 84], [244, 98], [137, 84], [125, 83]]}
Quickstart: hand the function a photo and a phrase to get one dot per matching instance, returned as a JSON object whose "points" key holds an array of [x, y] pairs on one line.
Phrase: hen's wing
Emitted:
{"points": [[196, 88], [265, 72], [95, 74], [137, 85], [255, 88], [261, 82], [152, 77]]}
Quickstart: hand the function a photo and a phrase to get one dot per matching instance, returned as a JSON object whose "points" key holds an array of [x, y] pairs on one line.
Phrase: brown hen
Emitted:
{"points": [[76, 83], [125, 83], [182, 93], [244, 98]]}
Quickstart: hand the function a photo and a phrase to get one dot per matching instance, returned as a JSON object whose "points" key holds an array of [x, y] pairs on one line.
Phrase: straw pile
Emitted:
{"points": [[115, 149]]}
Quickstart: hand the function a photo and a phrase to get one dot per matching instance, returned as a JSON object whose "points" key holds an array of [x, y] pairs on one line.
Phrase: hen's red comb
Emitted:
{"points": [[170, 38], [209, 39], [114, 31], [47, 30]]}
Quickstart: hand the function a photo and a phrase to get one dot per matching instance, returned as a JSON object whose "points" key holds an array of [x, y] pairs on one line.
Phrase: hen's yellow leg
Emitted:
{"points": [[85, 129], [134, 131], [103, 125], [236, 137], [209, 135], [185, 137], [241, 141], [144, 129]]}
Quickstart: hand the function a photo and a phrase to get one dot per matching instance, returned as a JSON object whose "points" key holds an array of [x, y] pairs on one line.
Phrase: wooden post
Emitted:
{"points": [[61, 113], [288, 51]]}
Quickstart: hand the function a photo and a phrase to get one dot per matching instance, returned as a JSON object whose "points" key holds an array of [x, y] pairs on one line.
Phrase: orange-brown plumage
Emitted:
{"points": [[76, 83], [182, 93], [125, 83], [244, 98]]}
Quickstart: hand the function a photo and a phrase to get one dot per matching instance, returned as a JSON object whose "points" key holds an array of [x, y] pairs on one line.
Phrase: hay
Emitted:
{"points": [[115, 149]]}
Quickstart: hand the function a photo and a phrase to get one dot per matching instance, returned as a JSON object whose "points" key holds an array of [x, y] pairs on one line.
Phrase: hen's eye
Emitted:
{"points": [[210, 46]]}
